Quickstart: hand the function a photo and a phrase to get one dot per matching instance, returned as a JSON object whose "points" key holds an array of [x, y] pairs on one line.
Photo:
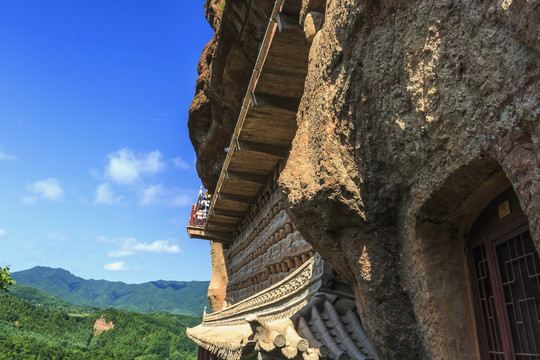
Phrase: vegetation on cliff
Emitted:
{"points": [[5, 278]]}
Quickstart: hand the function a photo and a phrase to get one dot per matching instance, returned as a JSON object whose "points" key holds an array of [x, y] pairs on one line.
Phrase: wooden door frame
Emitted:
{"points": [[491, 236]]}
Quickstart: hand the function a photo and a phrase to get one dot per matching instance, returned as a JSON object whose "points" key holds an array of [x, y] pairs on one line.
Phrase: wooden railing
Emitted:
{"points": [[199, 211]]}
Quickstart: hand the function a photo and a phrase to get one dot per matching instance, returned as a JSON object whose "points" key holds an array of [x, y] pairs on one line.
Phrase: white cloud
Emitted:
{"points": [[94, 173], [126, 167], [158, 246], [120, 253], [130, 246], [48, 189], [153, 194], [29, 199], [158, 194], [104, 194], [2, 233], [4, 156], [182, 200], [115, 266], [103, 239], [163, 118], [180, 163], [57, 236]]}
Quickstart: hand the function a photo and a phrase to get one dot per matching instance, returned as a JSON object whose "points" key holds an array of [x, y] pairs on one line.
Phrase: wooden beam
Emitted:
{"points": [[294, 6], [199, 233], [276, 83], [227, 217], [212, 225], [229, 213], [280, 102], [211, 238], [236, 198], [252, 178], [288, 22], [195, 230], [280, 152]]}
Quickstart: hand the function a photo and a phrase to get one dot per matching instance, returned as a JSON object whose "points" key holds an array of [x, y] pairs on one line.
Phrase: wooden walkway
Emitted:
{"points": [[266, 124]]}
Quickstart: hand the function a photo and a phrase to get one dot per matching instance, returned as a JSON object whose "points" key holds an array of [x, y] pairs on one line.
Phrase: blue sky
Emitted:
{"points": [[97, 173]]}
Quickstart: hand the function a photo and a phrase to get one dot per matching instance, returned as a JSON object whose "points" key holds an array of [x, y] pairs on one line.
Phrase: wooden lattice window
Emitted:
{"points": [[505, 279]]}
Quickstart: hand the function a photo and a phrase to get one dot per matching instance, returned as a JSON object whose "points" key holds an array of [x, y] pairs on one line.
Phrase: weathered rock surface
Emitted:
{"points": [[217, 290], [224, 71], [409, 107], [312, 24], [414, 113]]}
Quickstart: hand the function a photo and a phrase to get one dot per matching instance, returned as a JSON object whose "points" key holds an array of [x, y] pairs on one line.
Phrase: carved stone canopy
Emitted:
{"points": [[297, 318]]}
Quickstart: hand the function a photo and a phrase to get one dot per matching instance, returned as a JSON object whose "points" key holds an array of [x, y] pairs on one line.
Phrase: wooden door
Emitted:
{"points": [[505, 279]]}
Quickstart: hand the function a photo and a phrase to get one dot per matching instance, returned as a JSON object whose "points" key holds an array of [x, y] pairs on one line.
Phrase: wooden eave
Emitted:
{"points": [[196, 232], [265, 131]]}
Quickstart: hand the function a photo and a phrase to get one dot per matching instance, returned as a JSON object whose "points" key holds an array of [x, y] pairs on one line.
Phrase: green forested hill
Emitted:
{"points": [[42, 299], [176, 297], [28, 332]]}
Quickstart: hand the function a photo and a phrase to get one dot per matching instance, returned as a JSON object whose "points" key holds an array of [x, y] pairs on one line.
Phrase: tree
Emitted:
{"points": [[5, 278]]}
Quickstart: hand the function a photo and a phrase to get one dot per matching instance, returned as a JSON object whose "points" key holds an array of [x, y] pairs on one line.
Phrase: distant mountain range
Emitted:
{"points": [[176, 297]]}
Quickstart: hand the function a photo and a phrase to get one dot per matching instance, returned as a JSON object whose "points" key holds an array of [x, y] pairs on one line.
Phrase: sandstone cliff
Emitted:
{"points": [[413, 112], [224, 71]]}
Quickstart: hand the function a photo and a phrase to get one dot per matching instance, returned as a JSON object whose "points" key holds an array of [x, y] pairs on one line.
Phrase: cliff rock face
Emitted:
{"points": [[218, 283], [224, 71], [414, 115], [409, 107]]}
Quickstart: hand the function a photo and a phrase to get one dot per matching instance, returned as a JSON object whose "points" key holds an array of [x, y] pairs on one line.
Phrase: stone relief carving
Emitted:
{"points": [[266, 247], [277, 302]]}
